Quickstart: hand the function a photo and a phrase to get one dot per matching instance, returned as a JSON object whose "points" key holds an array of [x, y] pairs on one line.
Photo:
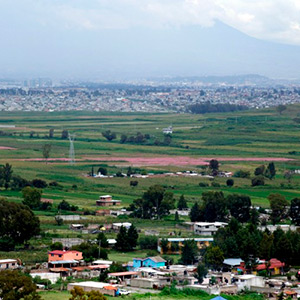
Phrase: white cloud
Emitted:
{"points": [[276, 20]]}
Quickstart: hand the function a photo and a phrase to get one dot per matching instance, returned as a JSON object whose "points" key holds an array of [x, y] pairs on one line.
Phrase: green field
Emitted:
{"points": [[248, 134]]}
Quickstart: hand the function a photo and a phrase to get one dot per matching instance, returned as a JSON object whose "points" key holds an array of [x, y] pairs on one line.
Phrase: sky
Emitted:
{"points": [[133, 39]]}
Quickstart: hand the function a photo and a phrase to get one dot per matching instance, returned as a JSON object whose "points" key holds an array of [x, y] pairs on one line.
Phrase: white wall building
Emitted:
{"points": [[206, 228]]}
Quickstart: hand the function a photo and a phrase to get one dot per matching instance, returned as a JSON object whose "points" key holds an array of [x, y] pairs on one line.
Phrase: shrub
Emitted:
{"points": [[215, 184], [203, 184], [242, 174], [257, 181], [230, 182], [39, 183], [148, 242], [134, 183]]}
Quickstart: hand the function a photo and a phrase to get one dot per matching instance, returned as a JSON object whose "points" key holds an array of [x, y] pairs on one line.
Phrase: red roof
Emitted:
{"points": [[274, 263]]}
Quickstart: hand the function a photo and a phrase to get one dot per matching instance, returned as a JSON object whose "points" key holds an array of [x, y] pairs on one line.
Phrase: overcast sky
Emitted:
{"points": [[119, 39]]}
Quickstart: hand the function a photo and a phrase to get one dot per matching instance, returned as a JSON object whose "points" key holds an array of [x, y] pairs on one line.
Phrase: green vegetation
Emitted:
{"points": [[228, 138]]}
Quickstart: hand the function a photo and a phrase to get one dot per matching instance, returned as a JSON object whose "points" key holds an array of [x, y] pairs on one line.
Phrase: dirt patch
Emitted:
{"points": [[7, 148], [161, 160], [178, 160]]}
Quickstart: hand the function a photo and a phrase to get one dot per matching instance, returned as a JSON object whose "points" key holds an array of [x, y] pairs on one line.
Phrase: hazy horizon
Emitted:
{"points": [[130, 39]]}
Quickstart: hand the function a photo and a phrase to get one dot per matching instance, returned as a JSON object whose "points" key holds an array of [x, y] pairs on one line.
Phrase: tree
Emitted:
{"points": [[64, 134], [214, 166], [122, 241], [189, 252], [65, 205], [230, 182], [32, 197], [270, 171], [123, 138], [281, 108], [164, 244], [102, 171], [90, 251], [148, 242], [18, 224], [295, 211], [133, 183], [214, 257], [182, 204], [242, 174], [39, 183], [278, 205], [102, 239], [259, 170], [6, 173], [201, 272], [214, 206], [258, 180], [155, 203], [239, 207], [109, 135], [15, 285], [196, 214], [266, 246], [56, 246], [132, 237], [79, 294], [51, 133], [46, 151]]}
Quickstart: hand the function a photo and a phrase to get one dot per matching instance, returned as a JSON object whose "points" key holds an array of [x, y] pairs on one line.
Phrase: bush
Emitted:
{"points": [[242, 174], [39, 183], [134, 183], [230, 182], [215, 184], [56, 246], [203, 184], [148, 242], [258, 180]]}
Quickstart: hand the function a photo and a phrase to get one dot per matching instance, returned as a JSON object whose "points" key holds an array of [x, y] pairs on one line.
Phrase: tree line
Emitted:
{"points": [[216, 207]]}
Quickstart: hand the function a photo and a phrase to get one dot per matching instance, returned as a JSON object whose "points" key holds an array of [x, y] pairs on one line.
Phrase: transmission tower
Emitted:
{"points": [[72, 151]]}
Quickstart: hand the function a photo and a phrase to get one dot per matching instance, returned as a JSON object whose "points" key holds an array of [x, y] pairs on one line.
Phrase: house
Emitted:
{"points": [[248, 281], [206, 228], [58, 255], [8, 264], [153, 262], [63, 259], [117, 226], [168, 130], [103, 288], [107, 200], [76, 227], [274, 266], [234, 264]]}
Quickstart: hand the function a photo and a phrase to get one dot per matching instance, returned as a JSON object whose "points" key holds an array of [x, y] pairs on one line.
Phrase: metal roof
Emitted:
{"points": [[57, 262]]}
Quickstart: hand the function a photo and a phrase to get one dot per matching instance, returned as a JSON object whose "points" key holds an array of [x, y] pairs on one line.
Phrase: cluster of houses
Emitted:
{"points": [[155, 273]]}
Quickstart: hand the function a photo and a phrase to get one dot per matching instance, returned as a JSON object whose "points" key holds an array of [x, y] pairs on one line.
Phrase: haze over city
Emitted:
{"points": [[130, 39]]}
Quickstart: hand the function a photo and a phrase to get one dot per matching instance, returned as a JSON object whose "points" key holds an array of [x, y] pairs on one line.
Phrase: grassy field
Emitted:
{"points": [[249, 134], [64, 295]]}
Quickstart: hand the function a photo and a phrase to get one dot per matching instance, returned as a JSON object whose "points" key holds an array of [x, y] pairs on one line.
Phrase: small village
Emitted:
{"points": [[70, 268]]}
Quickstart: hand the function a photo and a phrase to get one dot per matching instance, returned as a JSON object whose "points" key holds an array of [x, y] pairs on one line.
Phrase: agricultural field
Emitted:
{"points": [[239, 141]]}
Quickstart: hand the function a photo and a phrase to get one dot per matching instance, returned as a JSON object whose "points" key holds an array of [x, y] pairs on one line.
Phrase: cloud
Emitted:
{"points": [[275, 20]]}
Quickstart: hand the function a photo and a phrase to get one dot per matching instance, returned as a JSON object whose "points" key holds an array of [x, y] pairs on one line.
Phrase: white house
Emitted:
{"points": [[206, 228], [8, 264]]}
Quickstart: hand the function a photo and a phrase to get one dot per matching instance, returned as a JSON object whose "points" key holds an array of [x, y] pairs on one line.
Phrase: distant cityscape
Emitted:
{"points": [[165, 95]]}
